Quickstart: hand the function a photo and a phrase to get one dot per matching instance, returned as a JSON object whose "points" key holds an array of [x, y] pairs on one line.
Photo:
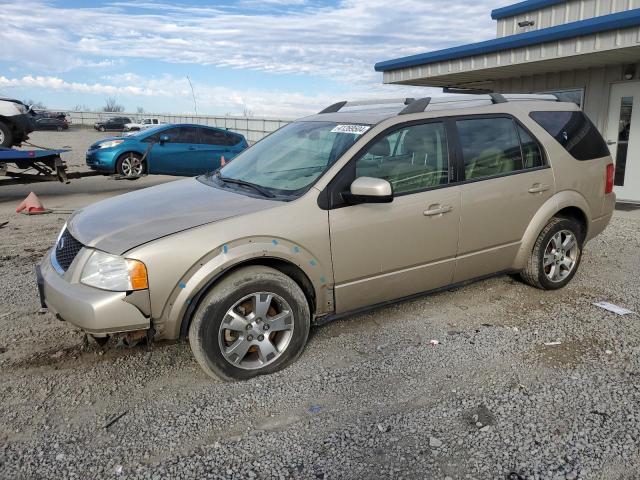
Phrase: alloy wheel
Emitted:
{"points": [[131, 166], [256, 330], [560, 256]]}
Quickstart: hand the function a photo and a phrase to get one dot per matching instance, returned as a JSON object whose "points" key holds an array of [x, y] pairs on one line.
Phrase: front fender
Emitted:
{"points": [[563, 199], [209, 269]]}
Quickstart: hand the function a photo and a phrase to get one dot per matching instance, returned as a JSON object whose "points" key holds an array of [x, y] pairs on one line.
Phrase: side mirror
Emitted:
{"points": [[164, 139], [369, 190]]}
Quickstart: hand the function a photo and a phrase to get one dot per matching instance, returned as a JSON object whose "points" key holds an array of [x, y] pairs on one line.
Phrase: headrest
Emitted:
{"points": [[381, 148]]}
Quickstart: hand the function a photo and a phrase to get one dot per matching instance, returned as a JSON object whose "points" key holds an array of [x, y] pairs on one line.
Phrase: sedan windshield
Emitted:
{"points": [[290, 160]]}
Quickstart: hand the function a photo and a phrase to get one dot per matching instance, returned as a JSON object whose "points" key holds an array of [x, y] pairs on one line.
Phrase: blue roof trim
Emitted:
{"points": [[522, 7], [615, 21]]}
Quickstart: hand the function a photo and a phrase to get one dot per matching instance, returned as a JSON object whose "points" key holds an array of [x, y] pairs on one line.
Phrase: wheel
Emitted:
{"points": [[556, 255], [130, 165], [254, 322], [59, 129], [6, 136], [102, 129]]}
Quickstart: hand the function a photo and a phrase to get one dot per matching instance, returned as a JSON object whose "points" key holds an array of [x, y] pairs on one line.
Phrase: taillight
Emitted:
{"points": [[608, 184]]}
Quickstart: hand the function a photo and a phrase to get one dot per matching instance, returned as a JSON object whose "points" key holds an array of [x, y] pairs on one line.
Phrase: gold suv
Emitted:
{"points": [[363, 204]]}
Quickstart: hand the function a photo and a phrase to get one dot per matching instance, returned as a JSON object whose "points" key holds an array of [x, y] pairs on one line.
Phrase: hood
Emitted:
{"points": [[126, 221]]}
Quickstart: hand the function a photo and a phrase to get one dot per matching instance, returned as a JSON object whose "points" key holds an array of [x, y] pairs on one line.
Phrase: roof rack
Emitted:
{"points": [[336, 107], [418, 106], [466, 97]]}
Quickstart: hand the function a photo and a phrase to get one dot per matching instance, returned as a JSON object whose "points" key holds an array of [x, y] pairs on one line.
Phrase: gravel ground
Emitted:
{"points": [[369, 398]]}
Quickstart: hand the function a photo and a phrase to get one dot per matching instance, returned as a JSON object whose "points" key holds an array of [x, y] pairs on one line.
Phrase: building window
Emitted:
{"points": [[575, 95]]}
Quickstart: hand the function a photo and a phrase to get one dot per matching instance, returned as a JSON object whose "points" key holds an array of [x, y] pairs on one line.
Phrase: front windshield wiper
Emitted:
{"points": [[257, 188]]}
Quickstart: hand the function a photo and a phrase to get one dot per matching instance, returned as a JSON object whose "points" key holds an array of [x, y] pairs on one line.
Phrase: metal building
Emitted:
{"points": [[587, 51]]}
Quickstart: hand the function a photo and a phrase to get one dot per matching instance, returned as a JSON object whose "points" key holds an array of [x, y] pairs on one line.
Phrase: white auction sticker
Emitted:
{"points": [[355, 129]]}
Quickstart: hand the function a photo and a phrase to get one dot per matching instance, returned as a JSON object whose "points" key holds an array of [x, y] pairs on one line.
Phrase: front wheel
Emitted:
{"points": [[130, 165], [254, 322], [556, 255]]}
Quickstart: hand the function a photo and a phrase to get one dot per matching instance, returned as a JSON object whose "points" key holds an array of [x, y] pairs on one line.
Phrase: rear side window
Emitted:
{"points": [[210, 136], [490, 147], [575, 132], [531, 154]]}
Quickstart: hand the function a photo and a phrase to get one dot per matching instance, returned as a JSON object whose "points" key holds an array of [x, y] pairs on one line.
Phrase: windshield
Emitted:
{"points": [[290, 160]]}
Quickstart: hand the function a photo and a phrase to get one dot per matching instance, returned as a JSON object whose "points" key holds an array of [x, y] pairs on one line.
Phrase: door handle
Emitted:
{"points": [[538, 188], [192, 148], [611, 142], [437, 210]]}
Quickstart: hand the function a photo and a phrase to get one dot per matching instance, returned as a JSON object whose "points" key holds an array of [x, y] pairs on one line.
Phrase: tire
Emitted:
{"points": [[59, 129], [102, 129], [6, 135], [130, 165], [208, 338], [549, 268]]}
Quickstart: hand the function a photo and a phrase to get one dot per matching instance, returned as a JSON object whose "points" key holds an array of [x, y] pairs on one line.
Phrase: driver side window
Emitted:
{"points": [[411, 159]]}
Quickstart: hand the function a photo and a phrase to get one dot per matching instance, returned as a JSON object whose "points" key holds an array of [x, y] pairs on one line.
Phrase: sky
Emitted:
{"points": [[268, 58]]}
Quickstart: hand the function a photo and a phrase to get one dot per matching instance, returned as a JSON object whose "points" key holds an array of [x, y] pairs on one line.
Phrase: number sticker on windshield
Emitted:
{"points": [[355, 129]]}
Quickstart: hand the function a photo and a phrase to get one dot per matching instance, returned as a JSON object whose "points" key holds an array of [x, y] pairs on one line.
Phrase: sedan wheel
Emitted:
{"points": [[130, 165]]}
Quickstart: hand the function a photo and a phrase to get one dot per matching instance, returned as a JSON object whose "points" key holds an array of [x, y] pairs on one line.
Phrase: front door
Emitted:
{"points": [[179, 155], [391, 250], [623, 138]]}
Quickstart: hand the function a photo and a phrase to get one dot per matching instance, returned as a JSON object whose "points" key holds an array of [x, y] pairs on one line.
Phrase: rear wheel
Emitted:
{"points": [[102, 129], [6, 136], [254, 322], [556, 255], [130, 165]]}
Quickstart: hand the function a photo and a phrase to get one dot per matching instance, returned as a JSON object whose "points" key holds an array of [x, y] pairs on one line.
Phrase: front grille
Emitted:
{"points": [[66, 250]]}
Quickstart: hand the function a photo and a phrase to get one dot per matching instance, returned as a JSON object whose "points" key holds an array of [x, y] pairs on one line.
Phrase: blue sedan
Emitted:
{"points": [[182, 149]]}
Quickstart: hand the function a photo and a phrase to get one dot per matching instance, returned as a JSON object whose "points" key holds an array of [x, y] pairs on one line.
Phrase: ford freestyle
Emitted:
{"points": [[354, 207]]}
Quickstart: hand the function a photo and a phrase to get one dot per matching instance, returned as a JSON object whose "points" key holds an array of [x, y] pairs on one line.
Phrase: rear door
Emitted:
{"points": [[214, 144], [385, 251], [505, 180]]}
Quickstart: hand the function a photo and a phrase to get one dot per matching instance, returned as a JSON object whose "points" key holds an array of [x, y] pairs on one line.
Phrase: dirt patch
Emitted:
{"points": [[566, 355]]}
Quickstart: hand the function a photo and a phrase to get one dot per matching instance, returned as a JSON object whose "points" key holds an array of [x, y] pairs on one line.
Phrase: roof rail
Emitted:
{"points": [[336, 107], [497, 98], [416, 106]]}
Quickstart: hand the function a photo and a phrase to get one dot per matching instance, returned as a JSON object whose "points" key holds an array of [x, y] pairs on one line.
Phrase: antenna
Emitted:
{"points": [[193, 94]]}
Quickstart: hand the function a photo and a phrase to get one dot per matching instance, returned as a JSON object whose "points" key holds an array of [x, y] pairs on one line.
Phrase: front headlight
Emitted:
{"points": [[110, 143], [111, 272]]}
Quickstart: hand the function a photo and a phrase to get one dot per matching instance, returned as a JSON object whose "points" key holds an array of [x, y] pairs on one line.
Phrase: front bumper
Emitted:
{"points": [[91, 309], [101, 159]]}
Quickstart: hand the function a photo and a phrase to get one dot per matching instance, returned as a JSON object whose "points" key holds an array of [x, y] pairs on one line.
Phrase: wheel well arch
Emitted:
{"points": [[283, 266], [576, 214]]}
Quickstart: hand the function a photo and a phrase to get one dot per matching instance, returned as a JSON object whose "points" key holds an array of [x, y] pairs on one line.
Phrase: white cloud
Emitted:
{"points": [[341, 42], [211, 99]]}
